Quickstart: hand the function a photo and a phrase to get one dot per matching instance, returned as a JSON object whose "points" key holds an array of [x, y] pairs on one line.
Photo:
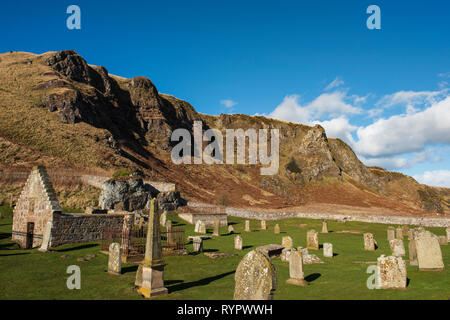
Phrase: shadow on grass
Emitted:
{"points": [[335, 254], [14, 254], [246, 247], [202, 282], [229, 234], [84, 246], [7, 245], [5, 236], [312, 277], [210, 250], [129, 269]]}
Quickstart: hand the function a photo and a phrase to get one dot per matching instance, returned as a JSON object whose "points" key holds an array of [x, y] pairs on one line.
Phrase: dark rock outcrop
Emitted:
{"points": [[124, 194]]}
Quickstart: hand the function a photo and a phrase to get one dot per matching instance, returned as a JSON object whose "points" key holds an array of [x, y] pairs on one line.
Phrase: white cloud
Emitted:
{"points": [[334, 84], [440, 178], [375, 112], [330, 104], [396, 163], [410, 98], [228, 103], [406, 133]]}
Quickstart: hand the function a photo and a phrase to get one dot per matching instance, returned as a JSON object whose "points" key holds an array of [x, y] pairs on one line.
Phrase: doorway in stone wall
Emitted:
{"points": [[30, 235]]}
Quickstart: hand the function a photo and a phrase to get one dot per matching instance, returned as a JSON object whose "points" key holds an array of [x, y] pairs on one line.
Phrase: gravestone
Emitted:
{"points": [[230, 229], [247, 226], [163, 219], [391, 272], [170, 235], [397, 248], [405, 230], [150, 275], [312, 240], [216, 231], [390, 233], [285, 254], [399, 233], [324, 227], [271, 250], [197, 226], [369, 242], [263, 225], [287, 243], [238, 243], [276, 230], [328, 250], [443, 240], [202, 228], [46, 237], [412, 248], [296, 274], [115, 259], [429, 254], [448, 233], [255, 277], [198, 244]]}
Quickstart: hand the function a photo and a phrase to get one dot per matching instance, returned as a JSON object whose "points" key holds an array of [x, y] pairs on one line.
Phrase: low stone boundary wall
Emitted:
{"points": [[396, 220]]}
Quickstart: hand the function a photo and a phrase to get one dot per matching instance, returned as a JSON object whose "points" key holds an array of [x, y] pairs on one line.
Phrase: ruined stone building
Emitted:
{"points": [[38, 205]]}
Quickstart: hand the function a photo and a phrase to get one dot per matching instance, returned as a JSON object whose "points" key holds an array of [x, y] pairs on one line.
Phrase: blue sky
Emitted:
{"points": [[385, 92]]}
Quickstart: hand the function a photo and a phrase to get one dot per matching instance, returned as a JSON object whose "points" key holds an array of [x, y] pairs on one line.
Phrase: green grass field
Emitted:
{"points": [[29, 274]]}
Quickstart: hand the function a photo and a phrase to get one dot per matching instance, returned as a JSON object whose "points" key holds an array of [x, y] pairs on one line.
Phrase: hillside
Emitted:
{"points": [[58, 111]]}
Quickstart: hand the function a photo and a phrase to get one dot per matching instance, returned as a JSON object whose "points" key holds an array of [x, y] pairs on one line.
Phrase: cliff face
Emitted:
{"points": [[73, 114]]}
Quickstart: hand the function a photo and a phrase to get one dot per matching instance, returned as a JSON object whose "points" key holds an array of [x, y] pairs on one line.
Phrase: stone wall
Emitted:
{"points": [[208, 219], [79, 228], [398, 220]]}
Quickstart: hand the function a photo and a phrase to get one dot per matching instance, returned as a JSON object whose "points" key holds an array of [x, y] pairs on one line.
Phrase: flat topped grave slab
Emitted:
{"points": [[191, 238], [272, 250]]}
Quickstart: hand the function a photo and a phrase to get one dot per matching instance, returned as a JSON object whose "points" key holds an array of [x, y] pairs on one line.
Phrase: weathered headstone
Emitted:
{"points": [[328, 250], [296, 274], [197, 226], [202, 228], [390, 233], [115, 259], [198, 244], [285, 254], [324, 227], [247, 226], [230, 229], [170, 235], [255, 277], [238, 243], [405, 230], [263, 225], [399, 233], [216, 231], [312, 240], [391, 272], [276, 230], [429, 254], [412, 248], [271, 250], [397, 248], [369, 242], [286, 242], [152, 270], [46, 237], [448, 234], [163, 218], [443, 240]]}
